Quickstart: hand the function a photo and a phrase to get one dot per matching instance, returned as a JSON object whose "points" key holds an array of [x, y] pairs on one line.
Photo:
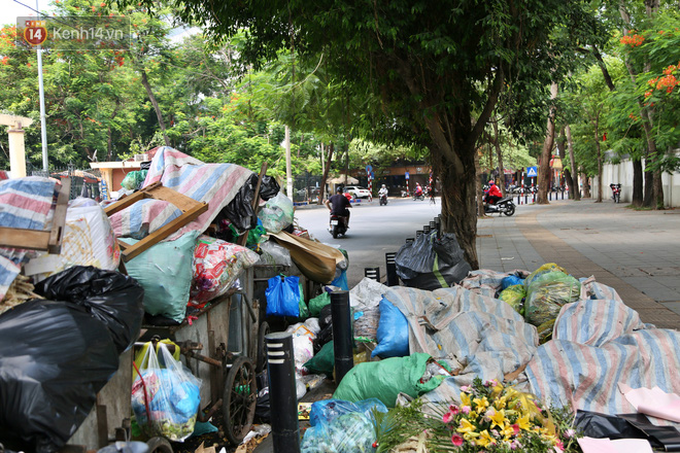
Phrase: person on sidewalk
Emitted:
{"points": [[338, 204]]}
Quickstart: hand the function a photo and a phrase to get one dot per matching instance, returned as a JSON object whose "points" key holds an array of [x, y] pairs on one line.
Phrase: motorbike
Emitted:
{"points": [[502, 206], [383, 200], [419, 197], [337, 226], [616, 192]]}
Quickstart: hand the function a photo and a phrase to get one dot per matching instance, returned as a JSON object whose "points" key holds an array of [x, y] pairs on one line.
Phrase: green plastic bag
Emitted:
{"points": [[386, 379], [165, 272], [304, 310], [317, 303], [546, 295], [323, 362], [513, 296]]}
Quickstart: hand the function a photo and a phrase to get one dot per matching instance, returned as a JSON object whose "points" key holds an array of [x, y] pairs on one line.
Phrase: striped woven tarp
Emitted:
{"points": [[24, 203], [597, 343], [215, 184]]}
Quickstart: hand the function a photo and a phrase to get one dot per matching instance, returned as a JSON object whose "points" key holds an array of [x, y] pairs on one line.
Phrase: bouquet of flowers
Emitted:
{"points": [[496, 418]]}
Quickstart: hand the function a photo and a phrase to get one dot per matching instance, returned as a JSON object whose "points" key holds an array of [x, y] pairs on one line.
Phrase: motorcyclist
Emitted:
{"points": [[338, 204], [383, 191], [419, 190], [494, 193]]}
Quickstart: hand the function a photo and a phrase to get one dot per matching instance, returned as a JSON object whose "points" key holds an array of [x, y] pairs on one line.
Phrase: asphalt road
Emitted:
{"points": [[374, 230]]}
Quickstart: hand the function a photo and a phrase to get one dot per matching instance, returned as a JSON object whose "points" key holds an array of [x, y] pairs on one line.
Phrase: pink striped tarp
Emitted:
{"points": [[215, 184]]}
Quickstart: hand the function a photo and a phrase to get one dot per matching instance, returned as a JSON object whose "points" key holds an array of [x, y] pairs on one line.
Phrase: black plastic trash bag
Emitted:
{"points": [[57, 353], [240, 210], [432, 262]]}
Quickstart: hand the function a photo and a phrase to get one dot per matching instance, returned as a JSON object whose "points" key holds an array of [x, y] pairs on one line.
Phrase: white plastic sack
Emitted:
{"points": [[88, 241], [367, 294], [277, 214]]}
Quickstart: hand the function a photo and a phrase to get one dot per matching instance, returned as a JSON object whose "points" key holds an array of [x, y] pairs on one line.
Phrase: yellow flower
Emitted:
{"points": [[511, 393], [498, 419], [523, 423], [501, 402], [485, 439], [497, 390], [508, 432], [470, 436], [465, 399], [481, 403], [466, 427]]}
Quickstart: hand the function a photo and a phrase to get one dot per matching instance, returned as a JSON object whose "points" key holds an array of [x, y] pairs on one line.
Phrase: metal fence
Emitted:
{"points": [[84, 183]]}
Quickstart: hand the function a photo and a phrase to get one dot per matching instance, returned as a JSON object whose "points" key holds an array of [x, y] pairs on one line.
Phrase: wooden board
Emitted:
{"points": [[190, 208]]}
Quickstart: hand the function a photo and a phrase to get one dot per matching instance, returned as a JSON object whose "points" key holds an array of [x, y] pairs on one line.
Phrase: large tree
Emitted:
{"points": [[438, 67]]}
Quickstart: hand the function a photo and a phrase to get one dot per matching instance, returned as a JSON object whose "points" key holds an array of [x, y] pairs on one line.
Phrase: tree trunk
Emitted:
{"points": [[480, 192], [586, 186], [574, 189], [499, 155], [154, 102], [322, 189], [599, 158], [544, 171], [637, 182]]}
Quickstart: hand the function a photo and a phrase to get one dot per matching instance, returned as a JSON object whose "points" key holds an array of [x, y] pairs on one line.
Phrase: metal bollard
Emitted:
{"points": [[419, 233], [433, 225], [410, 240], [426, 229], [282, 392], [342, 334], [391, 266], [372, 273]]}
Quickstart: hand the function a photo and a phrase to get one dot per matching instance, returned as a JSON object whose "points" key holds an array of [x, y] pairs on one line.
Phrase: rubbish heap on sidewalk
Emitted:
{"points": [[68, 317]]}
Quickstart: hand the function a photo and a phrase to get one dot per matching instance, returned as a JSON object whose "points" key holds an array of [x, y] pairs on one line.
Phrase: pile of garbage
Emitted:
{"points": [[564, 342]]}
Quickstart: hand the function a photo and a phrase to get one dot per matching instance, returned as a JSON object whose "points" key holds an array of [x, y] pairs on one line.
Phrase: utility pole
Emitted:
{"points": [[289, 175], [43, 127]]}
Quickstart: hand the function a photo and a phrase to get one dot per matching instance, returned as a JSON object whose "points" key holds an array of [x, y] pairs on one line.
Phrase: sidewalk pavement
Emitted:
{"points": [[635, 252]]}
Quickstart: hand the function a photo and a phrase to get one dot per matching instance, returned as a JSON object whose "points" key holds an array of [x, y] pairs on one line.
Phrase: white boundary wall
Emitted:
{"points": [[623, 174]]}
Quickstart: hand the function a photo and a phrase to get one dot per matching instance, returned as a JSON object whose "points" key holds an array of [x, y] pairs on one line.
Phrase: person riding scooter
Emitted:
{"points": [[382, 193], [418, 190], [494, 193], [338, 205]]}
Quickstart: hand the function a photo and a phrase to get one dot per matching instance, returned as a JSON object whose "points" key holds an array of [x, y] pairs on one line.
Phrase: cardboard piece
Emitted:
{"points": [[315, 260]]}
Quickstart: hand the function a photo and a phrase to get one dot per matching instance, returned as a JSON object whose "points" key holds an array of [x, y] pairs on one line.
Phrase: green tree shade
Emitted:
{"points": [[437, 67]]}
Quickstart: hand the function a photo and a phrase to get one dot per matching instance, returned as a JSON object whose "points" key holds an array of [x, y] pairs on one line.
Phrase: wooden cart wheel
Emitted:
{"points": [[239, 400], [159, 445], [262, 347]]}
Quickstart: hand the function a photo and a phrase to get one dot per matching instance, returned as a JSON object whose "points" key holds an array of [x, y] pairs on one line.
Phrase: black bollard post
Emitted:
{"points": [[426, 229], [433, 225], [342, 334], [391, 266], [419, 233], [372, 273], [282, 392], [410, 240]]}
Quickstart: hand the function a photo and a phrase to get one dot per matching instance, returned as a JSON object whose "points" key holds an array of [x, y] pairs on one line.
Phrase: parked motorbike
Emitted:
{"points": [[502, 206], [616, 192], [383, 200], [337, 226]]}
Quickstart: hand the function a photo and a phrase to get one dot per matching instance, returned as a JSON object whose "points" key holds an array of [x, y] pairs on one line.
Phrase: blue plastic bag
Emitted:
{"points": [[511, 280], [392, 332], [326, 411], [283, 296]]}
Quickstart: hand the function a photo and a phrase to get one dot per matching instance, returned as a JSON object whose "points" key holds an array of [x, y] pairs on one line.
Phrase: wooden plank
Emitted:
{"points": [[131, 251], [22, 238], [181, 201], [129, 200], [256, 201], [59, 218]]}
